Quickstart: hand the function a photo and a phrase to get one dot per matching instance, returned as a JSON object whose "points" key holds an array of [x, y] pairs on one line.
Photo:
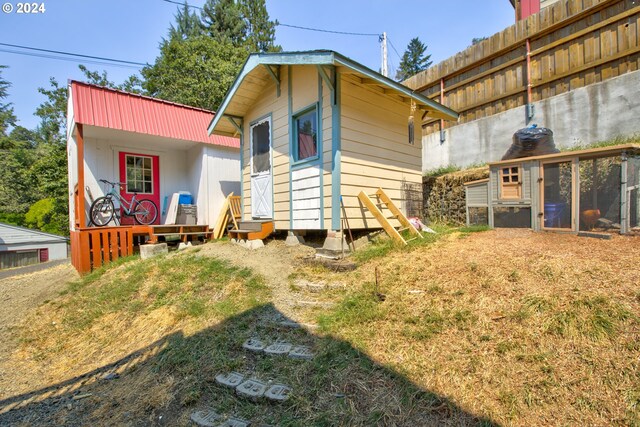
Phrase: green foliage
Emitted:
{"points": [[7, 118], [413, 60], [187, 24], [197, 71], [39, 214], [243, 23]]}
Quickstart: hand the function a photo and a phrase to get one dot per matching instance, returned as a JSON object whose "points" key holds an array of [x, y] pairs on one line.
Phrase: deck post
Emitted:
{"points": [[82, 220]]}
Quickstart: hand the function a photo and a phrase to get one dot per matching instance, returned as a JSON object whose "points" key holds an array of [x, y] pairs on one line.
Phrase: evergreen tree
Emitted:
{"points": [[197, 71], [187, 24], [261, 31], [7, 117], [223, 20], [413, 60]]}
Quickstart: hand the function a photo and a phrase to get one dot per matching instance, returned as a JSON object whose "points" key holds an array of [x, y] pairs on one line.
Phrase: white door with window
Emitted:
{"points": [[261, 171]]}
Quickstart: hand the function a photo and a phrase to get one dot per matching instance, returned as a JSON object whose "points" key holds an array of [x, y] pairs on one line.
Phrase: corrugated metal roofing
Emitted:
{"points": [[14, 235], [114, 109]]}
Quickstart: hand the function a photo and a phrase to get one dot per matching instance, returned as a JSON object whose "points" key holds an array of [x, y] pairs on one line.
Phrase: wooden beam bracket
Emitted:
{"points": [[275, 75]]}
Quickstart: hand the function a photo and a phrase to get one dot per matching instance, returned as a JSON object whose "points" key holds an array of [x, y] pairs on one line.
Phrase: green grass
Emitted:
{"points": [[186, 282], [382, 247], [444, 170]]}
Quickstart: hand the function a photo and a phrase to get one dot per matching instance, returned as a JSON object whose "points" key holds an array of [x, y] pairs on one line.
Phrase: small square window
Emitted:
{"points": [[306, 129]]}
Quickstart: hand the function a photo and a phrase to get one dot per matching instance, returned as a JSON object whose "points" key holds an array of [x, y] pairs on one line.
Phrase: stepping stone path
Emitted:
{"points": [[278, 392], [301, 352], [253, 388], [209, 418], [278, 349], [232, 379]]}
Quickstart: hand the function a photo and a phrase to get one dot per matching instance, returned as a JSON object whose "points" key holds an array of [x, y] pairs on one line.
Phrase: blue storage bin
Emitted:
{"points": [[185, 199]]}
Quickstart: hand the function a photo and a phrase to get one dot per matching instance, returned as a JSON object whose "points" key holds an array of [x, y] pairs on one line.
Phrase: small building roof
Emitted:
{"points": [[258, 71], [100, 106], [589, 152], [15, 235]]}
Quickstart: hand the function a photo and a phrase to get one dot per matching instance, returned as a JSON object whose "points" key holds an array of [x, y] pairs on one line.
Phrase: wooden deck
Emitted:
{"points": [[93, 247]]}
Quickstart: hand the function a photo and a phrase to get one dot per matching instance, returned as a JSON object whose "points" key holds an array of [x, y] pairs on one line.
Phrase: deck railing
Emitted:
{"points": [[93, 247]]}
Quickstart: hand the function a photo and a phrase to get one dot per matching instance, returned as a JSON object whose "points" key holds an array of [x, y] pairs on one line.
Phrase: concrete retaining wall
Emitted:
{"points": [[583, 116]]}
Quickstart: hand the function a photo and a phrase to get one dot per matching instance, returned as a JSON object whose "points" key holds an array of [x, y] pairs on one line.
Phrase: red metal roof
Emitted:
{"points": [[114, 109]]}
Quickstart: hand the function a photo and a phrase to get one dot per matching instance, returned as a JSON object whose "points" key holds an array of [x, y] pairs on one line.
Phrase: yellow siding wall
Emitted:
{"points": [[305, 92], [375, 148], [269, 103]]}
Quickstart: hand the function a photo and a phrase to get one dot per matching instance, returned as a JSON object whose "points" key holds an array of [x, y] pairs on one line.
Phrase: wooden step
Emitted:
{"points": [[251, 225], [266, 228]]}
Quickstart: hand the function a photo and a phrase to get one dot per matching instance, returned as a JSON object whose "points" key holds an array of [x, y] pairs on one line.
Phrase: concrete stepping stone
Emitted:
{"points": [[254, 344], [206, 418], [301, 352], [252, 389], [235, 422], [231, 379], [278, 392], [278, 348]]}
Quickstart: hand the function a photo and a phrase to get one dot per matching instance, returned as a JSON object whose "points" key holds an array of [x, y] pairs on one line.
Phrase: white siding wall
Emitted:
{"points": [[305, 197], [101, 162], [222, 176], [197, 181]]}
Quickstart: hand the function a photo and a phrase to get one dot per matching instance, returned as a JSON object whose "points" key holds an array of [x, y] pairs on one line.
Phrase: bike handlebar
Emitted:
{"points": [[113, 184]]}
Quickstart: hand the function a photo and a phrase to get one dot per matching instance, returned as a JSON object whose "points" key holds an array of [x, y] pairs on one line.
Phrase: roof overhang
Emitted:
{"points": [[261, 69]]}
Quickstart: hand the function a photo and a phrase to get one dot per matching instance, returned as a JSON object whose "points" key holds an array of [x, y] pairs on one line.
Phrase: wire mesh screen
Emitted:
{"points": [[600, 194], [511, 217], [412, 199], [633, 193], [478, 216]]}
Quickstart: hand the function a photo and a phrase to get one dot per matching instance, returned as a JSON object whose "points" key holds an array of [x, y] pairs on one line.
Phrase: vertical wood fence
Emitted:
{"points": [[93, 247], [570, 44]]}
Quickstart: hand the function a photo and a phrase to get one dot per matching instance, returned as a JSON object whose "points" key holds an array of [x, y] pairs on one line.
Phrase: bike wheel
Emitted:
{"points": [[145, 212], [101, 212]]}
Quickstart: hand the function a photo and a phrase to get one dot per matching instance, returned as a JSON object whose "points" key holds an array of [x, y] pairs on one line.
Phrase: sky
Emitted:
{"points": [[131, 30]]}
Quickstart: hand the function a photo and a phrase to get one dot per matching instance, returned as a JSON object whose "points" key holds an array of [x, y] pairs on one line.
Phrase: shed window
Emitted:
{"points": [[306, 129], [139, 174], [510, 182]]}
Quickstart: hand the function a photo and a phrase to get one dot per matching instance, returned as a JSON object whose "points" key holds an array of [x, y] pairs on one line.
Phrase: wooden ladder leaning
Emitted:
{"points": [[384, 202], [231, 211]]}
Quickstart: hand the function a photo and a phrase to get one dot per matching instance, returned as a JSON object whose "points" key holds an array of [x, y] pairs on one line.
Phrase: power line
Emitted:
{"points": [[327, 31], [289, 26], [182, 4], [394, 49], [62, 58], [99, 58]]}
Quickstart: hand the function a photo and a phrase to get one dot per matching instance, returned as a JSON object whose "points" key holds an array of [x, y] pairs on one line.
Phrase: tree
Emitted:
{"points": [[261, 31], [7, 117], [413, 60], [476, 40], [197, 71], [187, 24], [223, 20]]}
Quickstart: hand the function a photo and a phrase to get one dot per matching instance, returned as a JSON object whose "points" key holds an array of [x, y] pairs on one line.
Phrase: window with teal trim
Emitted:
{"points": [[306, 131]]}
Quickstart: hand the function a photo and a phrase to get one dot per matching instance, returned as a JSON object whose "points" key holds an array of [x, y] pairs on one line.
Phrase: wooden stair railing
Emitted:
{"points": [[231, 211], [385, 202]]}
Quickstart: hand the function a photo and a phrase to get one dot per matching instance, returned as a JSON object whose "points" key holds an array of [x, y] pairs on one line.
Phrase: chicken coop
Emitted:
{"points": [[594, 190]]}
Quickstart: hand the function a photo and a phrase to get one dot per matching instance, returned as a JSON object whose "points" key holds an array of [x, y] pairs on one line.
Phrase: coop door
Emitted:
{"points": [[557, 195]]}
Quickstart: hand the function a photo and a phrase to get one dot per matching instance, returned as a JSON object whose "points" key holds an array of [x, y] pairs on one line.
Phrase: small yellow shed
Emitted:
{"points": [[315, 126]]}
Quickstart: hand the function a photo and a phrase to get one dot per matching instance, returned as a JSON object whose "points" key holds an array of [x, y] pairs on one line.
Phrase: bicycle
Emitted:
{"points": [[102, 210]]}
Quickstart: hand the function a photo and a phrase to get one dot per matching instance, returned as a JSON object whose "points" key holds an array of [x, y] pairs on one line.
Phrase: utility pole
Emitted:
{"points": [[383, 43]]}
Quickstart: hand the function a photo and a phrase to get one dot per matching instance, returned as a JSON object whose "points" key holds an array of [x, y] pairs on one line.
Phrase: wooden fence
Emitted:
{"points": [[570, 44], [93, 247]]}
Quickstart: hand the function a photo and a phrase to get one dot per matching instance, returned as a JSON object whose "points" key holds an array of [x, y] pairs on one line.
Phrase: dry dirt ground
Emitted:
{"points": [[480, 257], [18, 295]]}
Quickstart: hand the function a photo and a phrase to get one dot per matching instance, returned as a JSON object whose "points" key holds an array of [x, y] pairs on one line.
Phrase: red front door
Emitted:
{"points": [[141, 173]]}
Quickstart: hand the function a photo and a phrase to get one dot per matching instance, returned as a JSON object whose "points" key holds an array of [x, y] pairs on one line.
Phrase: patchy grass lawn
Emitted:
{"points": [[523, 328], [505, 327]]}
